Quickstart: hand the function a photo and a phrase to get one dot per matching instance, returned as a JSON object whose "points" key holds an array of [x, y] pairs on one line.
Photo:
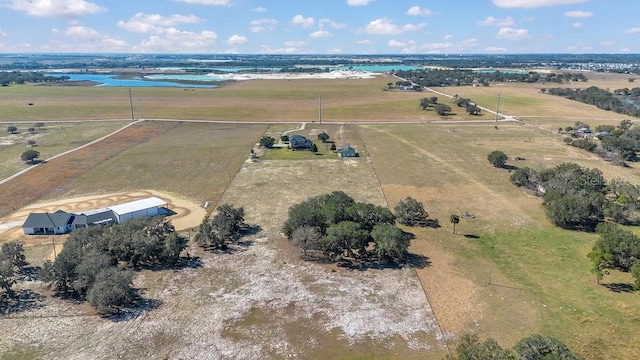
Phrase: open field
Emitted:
{"points": [[515, 275], [262, 301], [520, 275], [54, 138]]}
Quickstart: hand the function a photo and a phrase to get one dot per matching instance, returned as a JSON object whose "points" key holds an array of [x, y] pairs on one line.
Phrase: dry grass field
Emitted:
{"points": [[512, 275]]}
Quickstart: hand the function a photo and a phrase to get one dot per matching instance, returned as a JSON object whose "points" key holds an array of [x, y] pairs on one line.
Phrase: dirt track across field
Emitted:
{"points": [[188, 214]]}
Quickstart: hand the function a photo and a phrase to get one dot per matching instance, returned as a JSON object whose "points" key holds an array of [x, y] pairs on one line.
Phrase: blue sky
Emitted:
{"points": [[320, 26]]}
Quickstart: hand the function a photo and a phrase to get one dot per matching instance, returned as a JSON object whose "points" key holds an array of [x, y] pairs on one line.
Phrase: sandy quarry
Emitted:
{"points": [[188, 214]]}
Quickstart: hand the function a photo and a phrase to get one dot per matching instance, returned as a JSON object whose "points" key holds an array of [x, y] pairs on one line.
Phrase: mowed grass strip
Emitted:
{"points": [[515, 274], [54, 178]]}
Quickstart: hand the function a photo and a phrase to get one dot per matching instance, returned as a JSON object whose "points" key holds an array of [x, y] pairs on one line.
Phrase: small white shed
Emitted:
{"points": [[144, 207]]}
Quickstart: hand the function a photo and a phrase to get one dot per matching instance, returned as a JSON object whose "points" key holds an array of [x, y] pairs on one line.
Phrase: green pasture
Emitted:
{"points": [[52, 139]]}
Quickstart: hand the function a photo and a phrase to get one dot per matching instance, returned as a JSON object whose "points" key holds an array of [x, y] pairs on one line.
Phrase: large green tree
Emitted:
{"points": [[390, 242], [411, 212], [538, 347], [29, 156], [470, 348], [497, 158]]}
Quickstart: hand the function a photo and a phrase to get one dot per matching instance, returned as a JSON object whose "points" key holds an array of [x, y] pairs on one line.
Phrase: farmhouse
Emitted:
{"points": [[61, 222], [299, 142], [347, 151]]}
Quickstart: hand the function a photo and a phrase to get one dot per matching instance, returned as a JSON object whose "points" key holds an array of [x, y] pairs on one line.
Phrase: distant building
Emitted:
{"points": [[347, 152], [62, 222], [299, 142]]}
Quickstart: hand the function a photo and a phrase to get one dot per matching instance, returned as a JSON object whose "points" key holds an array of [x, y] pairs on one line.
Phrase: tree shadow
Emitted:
{"points": [[432, 223], [620, 287], [139, 307], [509, 167], [20, 301], [412, 261], [29, 273], [471, 236], [184, 262]]}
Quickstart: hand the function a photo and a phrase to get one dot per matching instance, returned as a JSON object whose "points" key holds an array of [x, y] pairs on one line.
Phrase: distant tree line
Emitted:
{"points": [[343, 229], [462, 77], [22, 77], [618, 144], [96, 263], [593, 95]]}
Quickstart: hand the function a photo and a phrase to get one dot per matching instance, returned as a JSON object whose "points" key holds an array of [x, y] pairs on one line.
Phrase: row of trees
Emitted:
{"points": [[97, 263], [342, 228], [19, 77], [12, 262], [580, 198], [440, 109], [593, 95], [533, 347], [460, 77]]}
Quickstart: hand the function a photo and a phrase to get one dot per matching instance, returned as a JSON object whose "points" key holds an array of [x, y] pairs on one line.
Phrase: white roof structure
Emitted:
{"points": [[137, 205]]}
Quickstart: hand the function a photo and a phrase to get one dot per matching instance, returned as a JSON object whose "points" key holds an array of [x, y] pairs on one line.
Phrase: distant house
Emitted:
{"points": [[299, 142], [347, 151], [61, 222]]}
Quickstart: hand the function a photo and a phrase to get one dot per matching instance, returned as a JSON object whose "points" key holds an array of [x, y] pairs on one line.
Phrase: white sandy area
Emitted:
{"points": [[335, 74]]}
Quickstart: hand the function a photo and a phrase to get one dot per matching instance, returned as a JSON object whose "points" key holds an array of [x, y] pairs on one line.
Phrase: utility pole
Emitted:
{"points": [[131, 106], [498, 108]]}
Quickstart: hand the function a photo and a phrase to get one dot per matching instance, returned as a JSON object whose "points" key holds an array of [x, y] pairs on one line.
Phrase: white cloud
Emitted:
{"points": [[513, 34], [331, 23], [448, 37], [303, 21], [156, 24], [364, 42], [494, 49], [208, 2], [492, 21], [581, 47], [441, 47], [295, 43], [384, 26], [334, 51], [56, 8], [177, 41], [2, 33], [320, 34], [235, 40], [263, 25], [82, 32], [625, 50], [359, 2], [576, 25], [418, 11], [607, 43], [634, 30], [578, 13], [266, 49], [530, 4], [259, 9], [396, 44]]}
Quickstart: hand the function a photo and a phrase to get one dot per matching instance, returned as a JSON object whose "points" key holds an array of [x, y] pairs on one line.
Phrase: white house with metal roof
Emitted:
{"points": [[134, 209]]}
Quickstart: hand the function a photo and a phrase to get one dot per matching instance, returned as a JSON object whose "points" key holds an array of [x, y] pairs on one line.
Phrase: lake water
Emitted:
{"points": [[113, 81]]}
